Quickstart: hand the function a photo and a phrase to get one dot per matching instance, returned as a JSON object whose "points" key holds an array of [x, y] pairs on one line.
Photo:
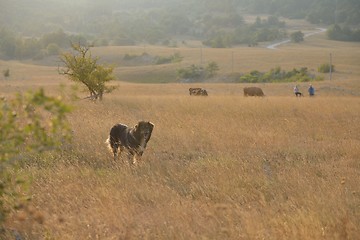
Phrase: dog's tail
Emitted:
{"points": [[107, 142]]}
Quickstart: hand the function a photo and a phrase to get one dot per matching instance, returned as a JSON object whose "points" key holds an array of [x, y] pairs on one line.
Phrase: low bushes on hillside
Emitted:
{"points": [[158, 60], [278, 75], [129, 57], [343, 33], [325, 68], [176, 57], [262, 30], [197, 73]]}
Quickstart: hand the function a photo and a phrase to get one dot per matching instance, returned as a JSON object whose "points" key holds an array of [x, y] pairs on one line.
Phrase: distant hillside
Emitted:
{"points": [[315, 11], [164, 17], [41, 28]]}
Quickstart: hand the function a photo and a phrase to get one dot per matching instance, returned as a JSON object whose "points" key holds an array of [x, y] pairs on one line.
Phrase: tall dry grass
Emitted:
{"points": [[220, 167], [217, 167]]}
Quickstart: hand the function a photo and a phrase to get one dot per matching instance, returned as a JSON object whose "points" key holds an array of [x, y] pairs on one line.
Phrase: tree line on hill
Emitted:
{"points": [[25, 26], [279, 75], [14, 46], [262, 30], [91, 16], [315, 11], [339, 33]]}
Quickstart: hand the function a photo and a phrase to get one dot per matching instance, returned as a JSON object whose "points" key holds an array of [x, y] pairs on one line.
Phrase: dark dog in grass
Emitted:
{"points": [[134, 139]]}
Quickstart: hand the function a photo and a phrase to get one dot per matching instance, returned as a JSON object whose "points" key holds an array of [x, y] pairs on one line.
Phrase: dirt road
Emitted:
{"points": [[274, 45]]}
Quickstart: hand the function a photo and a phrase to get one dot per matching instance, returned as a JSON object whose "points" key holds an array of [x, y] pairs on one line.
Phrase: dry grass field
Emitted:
{"points": [[217, 167]]}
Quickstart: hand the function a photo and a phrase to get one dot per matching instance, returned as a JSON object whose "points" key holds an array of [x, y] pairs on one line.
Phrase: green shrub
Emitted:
{"points": [[297, 36], [252, 77], [325, 68], [176, 57], [6, 73], [193, 72], [128, 57], [26, 129], [277, 75], [53, 49], [212, 68]]}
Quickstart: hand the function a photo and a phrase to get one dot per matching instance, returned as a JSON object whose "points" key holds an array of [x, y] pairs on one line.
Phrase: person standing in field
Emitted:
{"points": [[311, 90], [297, 91]]}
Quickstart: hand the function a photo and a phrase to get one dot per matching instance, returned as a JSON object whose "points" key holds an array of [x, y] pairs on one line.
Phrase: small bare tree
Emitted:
{"points": [[83, 68]]}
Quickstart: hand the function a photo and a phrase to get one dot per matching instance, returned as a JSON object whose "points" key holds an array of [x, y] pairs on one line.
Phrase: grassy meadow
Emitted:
{"points": [[217, 167]]}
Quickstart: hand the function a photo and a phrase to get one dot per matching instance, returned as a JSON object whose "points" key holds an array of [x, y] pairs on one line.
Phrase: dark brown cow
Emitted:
{"points": [[197, 92], [253, 91]]}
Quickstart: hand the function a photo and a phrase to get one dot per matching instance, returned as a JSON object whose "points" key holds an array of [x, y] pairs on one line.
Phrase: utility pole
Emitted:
{"points": [[232, 62], [335, 13], [330, 66]]}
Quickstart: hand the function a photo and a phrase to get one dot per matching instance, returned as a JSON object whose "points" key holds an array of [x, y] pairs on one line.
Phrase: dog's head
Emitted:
{"points": [[143, 130]]}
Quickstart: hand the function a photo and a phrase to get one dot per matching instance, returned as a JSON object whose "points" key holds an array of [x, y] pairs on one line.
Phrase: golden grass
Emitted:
{"points": [[217, 167]]}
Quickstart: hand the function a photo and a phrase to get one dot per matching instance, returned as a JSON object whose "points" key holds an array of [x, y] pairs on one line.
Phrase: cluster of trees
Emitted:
{"points": [[93, 16], [315, 11], [218, 24], [196, 73], [297, 36], [278, 75], [345, 33], [262, 30], [13, 46]]}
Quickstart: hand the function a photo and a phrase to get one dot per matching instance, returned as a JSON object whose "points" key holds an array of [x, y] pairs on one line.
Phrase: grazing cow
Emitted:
{"points": [[134, 139], [194, 91], [253, 91], [197, 92]]}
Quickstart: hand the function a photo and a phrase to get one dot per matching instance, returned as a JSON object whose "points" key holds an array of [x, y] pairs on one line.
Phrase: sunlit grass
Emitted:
{"points": [[216, 167]]}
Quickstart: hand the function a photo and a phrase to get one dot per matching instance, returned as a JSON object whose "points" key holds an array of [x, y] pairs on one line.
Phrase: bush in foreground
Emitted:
{"points": [[29, 123]]}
